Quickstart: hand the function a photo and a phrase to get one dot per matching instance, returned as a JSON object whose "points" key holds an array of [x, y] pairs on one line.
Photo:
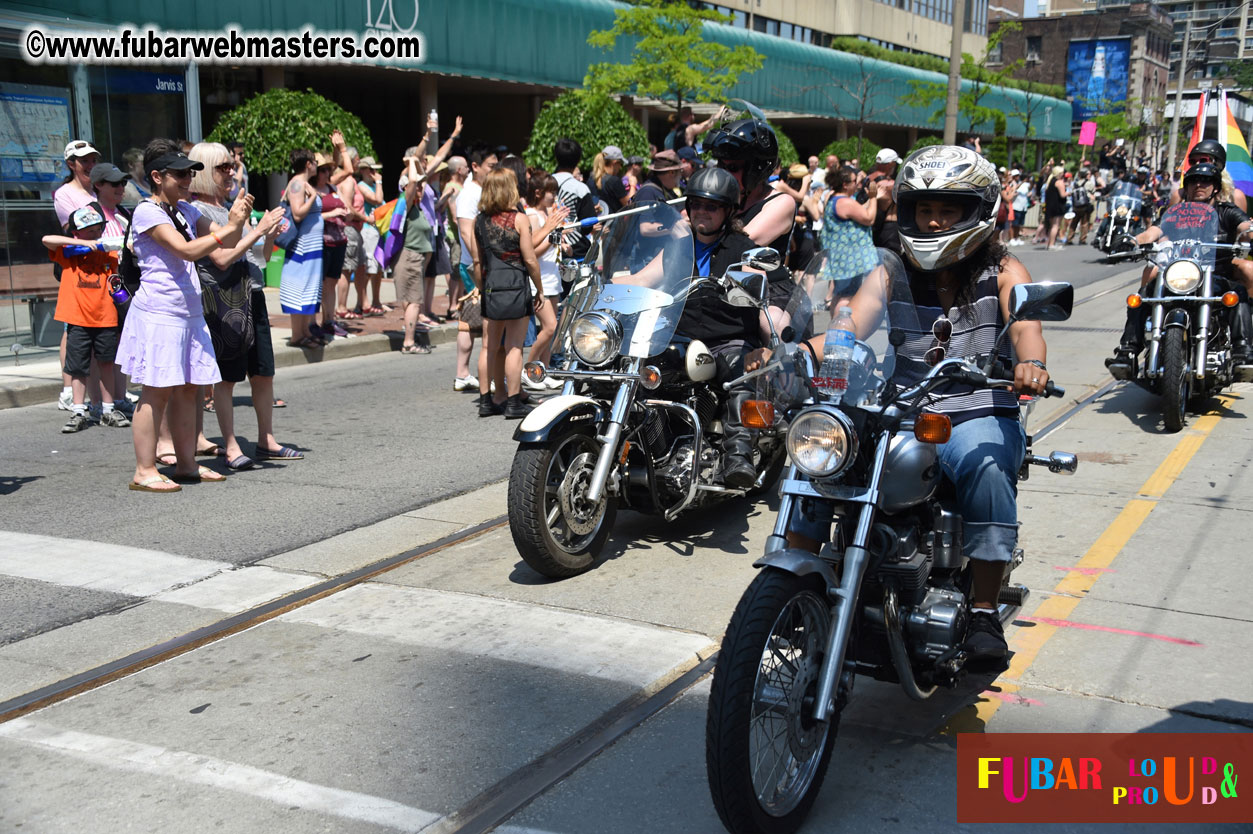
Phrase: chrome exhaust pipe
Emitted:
{"points": [[896, 644]]}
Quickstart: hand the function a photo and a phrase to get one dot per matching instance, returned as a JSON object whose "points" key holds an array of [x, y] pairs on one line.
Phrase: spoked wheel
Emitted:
{"points": [[765, 755], [1176, 379], [557, 531]]}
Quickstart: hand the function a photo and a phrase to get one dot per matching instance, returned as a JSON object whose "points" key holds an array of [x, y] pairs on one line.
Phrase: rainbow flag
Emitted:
{"points": [[1239, 165], [1198, 133]]}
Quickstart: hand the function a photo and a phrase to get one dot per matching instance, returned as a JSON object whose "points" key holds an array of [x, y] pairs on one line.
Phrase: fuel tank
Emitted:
{"points": [[911, 474]]}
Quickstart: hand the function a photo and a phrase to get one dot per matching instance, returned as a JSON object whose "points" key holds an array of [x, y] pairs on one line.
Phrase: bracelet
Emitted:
{"points": [[214, 235], [1035, 362]]}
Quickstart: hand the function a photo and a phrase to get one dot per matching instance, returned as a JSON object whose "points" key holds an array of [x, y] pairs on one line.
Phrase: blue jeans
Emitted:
{"points": [[981, 459]]}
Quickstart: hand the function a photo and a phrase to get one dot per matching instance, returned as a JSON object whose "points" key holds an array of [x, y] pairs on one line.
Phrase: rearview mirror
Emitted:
{"points": [[1042, 301], [763, 258]]}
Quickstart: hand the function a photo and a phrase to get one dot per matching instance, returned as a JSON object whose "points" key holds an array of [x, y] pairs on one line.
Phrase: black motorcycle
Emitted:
{"points": [[1187, 329], [887, 596], [638, 421], [1116, 234]]}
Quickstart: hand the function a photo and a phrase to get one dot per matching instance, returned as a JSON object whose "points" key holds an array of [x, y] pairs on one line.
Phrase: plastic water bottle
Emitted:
{"points": [[837, 355]]}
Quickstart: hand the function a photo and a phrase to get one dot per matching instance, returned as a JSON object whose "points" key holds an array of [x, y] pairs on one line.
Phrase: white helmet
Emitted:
{"points": [[955, 175]]}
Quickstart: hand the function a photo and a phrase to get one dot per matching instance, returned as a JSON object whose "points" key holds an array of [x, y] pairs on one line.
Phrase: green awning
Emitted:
{"points": [[544, 42]]}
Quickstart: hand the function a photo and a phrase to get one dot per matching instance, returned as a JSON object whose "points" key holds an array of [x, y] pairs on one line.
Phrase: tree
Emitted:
{"points": [[787, 151], [1241, 73], [594, 120], [274, 123], [851, 148], [670, 59], [979, 117], [865, 88]]}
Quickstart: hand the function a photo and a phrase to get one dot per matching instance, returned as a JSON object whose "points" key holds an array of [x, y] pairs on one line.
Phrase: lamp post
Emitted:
{"points": [[954, 73]]}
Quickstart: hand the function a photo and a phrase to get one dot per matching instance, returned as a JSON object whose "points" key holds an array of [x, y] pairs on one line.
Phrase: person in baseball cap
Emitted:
{"points": [[609, 186], [690, 161], [612, 153], [110, 184], [886, 156], [80, 148], [107, 172], [80, 157], [663, 179]]}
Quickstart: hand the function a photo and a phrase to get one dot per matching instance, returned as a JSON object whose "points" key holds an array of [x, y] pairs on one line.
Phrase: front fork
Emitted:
{"points": [[612, 435]]}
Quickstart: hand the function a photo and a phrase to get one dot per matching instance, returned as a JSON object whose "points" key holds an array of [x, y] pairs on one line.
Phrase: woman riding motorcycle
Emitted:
{"points": [[960, 277]]}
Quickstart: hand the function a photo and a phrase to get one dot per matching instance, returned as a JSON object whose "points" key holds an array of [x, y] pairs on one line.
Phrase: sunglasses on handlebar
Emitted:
{"points": [[942, 330]]}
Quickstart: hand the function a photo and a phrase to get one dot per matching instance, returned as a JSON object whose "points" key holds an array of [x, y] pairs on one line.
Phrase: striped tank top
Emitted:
{"points": [[976, 325]]}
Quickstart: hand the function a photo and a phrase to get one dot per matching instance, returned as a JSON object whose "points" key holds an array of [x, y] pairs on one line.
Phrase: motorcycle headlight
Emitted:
{"points": [[596, 337], [1183, 276], [822, 442], [1121, 211]]}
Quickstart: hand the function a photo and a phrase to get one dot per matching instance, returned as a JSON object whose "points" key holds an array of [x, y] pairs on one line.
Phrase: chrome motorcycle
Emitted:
{"points": [[1116, 234], [887, 596], [637, 423], [1188, 340]]}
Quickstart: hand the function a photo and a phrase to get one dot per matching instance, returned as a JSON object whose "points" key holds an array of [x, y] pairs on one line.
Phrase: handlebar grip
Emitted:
{"points": [[968, 377], [1051, 390]]}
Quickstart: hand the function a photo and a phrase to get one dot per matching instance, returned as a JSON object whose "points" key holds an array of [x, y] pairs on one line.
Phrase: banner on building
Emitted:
{"points": [[1096, 76]]}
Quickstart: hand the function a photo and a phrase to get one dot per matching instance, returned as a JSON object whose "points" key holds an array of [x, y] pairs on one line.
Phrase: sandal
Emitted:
{"points": [[413, 350], [280, 403], [208, 406], [167, 459], [213, 450], [307, 343], [348, 315], [146, 485], [374, 311], [281, 453], [201, 477]]}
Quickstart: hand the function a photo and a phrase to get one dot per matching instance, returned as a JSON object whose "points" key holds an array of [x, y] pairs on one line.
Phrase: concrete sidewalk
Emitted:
{"points": [[32, 383]]}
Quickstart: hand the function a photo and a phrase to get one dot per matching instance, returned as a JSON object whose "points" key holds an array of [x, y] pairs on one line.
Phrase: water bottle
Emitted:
{"points": [[837, 355]]}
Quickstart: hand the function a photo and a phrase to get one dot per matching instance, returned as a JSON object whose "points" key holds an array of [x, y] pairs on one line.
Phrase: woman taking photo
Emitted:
{"points": [[210, 188], [334, 246], [300, 287], [506, 263], [545, 218], [846, 226], [165, 345]]}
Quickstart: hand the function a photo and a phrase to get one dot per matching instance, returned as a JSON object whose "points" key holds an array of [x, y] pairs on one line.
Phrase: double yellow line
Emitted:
{"points": [[1068, 593]]}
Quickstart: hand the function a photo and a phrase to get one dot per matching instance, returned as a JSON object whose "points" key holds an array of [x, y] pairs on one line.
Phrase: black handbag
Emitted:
{"points": [[507, 288]]}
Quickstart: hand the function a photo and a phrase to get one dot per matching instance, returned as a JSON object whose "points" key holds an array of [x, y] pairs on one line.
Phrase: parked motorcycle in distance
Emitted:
{"points": [[1187, 331], [888, 595], [638, 420]]}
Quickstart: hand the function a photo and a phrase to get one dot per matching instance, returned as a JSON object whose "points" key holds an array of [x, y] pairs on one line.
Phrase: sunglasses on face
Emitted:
{"points": [[226, 167], [942, 330], [182, 174], [731, 166], [707, 206]]}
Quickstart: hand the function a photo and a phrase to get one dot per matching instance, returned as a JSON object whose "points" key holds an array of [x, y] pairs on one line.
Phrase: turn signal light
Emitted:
{"points": [[650, 377], [757, 414], [535, 371], [1134, 300], [933, 428], [626, 450], [1230, 299]]}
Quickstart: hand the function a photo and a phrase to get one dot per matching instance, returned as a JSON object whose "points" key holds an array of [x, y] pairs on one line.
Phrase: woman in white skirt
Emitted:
{"points": [[165, 345]]}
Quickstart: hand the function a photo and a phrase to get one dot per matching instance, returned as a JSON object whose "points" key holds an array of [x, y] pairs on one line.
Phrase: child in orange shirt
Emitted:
{"points": [[87, 309]]}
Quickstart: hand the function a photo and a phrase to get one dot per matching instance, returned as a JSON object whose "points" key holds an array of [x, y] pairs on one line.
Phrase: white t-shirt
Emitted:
{"points": [[468, 209], [547, 261], [1022, 197]]}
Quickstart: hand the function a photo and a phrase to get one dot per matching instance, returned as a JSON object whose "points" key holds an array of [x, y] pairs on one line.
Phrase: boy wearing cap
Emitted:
{"points": [[85, 306], [611, 188]]}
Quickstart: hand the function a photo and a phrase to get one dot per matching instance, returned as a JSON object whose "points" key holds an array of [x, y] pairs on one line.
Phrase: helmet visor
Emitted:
{"points": [[924, 213]]}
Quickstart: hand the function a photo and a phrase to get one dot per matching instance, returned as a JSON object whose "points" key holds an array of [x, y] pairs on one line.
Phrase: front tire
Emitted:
{"points": [[765, 757], [1176, 380], [557, 532]]}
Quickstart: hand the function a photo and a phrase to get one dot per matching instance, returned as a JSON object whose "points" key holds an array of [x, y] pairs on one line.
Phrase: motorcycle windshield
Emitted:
{"points": [[1121, 206], [1190, 231], [880, 304], [644, 263]]}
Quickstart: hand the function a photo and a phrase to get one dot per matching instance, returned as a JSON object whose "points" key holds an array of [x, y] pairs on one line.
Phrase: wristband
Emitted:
{"points": [[1035, 362], [215, 237]]}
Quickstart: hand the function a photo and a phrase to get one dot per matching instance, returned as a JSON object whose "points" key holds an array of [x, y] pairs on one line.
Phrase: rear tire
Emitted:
{"points": [[1176, 380], [764, 756]]}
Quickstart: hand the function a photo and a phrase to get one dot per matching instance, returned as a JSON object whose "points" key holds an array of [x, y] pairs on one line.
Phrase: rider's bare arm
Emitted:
{"points": [[1026, 336], [1149, 235], [774, 220]]}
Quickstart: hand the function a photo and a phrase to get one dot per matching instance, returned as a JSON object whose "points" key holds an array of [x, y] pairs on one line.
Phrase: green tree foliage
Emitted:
{"points": [[787, 150], [930, 63], [670, 60], [924, 142], [274, 123], [594, 120], [847, 149], [978, 117], [1241, 73]]}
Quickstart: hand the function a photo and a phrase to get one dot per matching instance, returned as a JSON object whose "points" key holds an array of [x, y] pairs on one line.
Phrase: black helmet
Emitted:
{"points": [[1214, 149], [714, 184], [1205, 171], [751, 141]]}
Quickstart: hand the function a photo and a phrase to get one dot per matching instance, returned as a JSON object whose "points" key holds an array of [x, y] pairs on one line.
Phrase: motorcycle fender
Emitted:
{"points": [[801, 563], [1176, 318], [556, 413]]}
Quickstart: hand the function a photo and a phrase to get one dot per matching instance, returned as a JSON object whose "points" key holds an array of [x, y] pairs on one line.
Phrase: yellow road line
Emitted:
{"points": [[1027, 643]]}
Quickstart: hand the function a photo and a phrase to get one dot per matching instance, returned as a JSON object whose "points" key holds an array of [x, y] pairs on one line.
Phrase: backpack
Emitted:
{"points": [[669, 141], [128, 267], [1080, 195]]}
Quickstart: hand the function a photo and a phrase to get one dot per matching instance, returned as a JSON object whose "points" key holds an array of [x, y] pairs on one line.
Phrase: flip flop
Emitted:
{"points": [[280, 403], [208, 406], [240, 463], [348, 315], [415, 350], [371, 312], [213, 450], [146, 485], [281, 453], [199, 477], [168, 459]]}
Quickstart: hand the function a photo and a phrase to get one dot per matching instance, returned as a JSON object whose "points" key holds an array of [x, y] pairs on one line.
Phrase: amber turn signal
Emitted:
{"points": [[626, 450], [1134, 301], [933, 428], [1230, 299], [757, 414]]}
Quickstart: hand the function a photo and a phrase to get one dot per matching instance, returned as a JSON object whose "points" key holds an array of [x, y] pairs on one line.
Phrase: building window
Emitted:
{"points": [[996, 54], [1033, 48]]}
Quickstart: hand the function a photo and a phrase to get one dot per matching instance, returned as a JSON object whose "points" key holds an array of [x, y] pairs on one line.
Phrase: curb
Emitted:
{"points": [[40, 391]]}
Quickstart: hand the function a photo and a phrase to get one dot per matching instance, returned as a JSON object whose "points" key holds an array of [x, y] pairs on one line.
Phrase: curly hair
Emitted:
{"points": [[991, 255]]}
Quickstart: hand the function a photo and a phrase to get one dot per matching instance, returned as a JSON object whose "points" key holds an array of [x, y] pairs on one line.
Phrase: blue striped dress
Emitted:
{"points": [[300, 287], [976, 325]]}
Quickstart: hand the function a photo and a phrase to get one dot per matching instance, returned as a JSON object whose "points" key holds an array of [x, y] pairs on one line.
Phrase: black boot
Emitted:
{"points": [[1132, 341], [488, 408], [738, 471], [515, 408], [1241, 325]]}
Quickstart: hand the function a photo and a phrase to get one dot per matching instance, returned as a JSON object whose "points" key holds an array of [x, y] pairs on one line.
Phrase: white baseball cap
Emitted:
{"points": [[80, 147], [1015, 173], [885, 156]]}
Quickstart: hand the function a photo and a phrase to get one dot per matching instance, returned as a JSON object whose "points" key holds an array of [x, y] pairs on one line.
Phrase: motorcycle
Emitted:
{"points": [[888, 594], [1187, 331], [638, 420], [1123, 221]]}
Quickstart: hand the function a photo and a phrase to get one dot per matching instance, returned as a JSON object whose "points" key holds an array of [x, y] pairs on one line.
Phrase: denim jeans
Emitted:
{"points": [[981, 459]]}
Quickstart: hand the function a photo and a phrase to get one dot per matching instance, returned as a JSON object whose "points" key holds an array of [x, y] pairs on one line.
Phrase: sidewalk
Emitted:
{"points": [[31, 383]]}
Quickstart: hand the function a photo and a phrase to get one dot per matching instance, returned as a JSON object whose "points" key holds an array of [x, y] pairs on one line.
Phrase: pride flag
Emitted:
{"points": [[1198, 133], [1239, 165]]}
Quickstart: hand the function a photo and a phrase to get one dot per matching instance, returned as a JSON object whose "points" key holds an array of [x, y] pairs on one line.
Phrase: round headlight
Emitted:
{"points": [[821, 443], [596, 338], [1183, 276]]}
